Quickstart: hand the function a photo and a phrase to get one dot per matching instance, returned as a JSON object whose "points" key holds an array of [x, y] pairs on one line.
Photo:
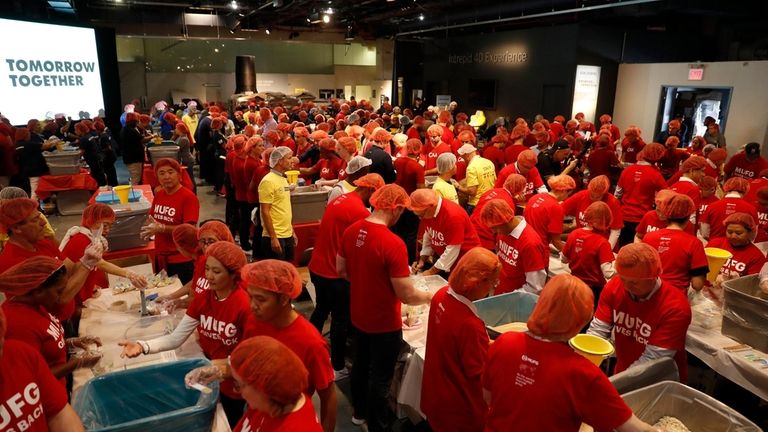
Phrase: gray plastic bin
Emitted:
{"points": [[745, 313], [504, 309], [163, 151], [308, 204], [126, 229]]}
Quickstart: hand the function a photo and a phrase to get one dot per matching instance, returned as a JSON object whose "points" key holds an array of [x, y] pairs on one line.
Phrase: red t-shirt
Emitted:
{"points": [[36, 327], [373, 256], [451, 226], [447, 135], [545, 215], [200, 283], [639, 183], [682, 256], [431, 156], [461, 169], [343, 171], [221, 326], [754, 186], [739, 166], [26, 379], [288, 142], [74, 250], [586, 251], [519, 256], [661, 321], [670, 162], [705, 202], [577, 204], [230, 159], [304, 420], [717, 212], [342, 212], [239, 179], [177, 208], [512, 152], [486, 236], [746, 260], [495, 155], [259, 171], [537, 385], [631, 149], [652, 222], [306, 342], [762, 223], [457, 345], [689, 188], [329, 168], [409, 173], [12, 254], [533, 179], [599, 161]]}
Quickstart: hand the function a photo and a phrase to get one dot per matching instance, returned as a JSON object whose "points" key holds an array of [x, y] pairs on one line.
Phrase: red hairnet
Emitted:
{"points": [[300, 131], [182, 128], [736, 184], [598, 215], [633, 131], [662, 196], [219, 230], [185, 237], [527, 158], [15, 210], [381, 135], [708, 182], [515, 184], [638, 261], [467, 136], [672, 141], [327, 144], [170, 118], [349, 144], [272, 275], [228, 254], [390, 197], [423, 199], [561, 183], [678, 206], [372, 180], [564, 307], [272, 137], [693, 163], [339, 134], [476, 266], [249, 130], [131, 116], [318, 135], [167, 162], [519, 131], [96, 213], [742, 219], [82, 128], [653, 152], [496, 212], [674, 123], [28, 275], [717, 155], [271, 367], [253, 142], [413, 146], [435, 130], [599, 185], [265, 114]]}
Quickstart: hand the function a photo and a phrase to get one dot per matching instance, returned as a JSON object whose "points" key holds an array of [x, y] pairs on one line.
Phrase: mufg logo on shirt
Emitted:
{"points": [[21, 410], [438, 239], [508, 253], [218, 330], [632, 327], [164, 213], [361, 235]]}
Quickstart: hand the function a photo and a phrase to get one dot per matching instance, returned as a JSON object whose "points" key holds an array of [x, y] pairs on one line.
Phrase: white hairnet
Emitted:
{"points": [[277, 154], [445, 162]]}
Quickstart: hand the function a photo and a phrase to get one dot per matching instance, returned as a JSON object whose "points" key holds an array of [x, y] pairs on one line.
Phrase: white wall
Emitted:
{"points": [[638, 91]]}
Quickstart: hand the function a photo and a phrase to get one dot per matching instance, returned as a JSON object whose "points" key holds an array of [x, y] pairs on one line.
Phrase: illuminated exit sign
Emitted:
{"points": [[695, 74]]}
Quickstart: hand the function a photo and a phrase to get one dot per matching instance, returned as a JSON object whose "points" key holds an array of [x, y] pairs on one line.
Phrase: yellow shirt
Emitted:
{"points": [[481, 173], [273, 190], [191, 122], [446, 190]]}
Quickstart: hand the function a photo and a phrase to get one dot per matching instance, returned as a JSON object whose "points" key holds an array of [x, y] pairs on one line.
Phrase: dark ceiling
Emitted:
{"points": [[718, 22]]}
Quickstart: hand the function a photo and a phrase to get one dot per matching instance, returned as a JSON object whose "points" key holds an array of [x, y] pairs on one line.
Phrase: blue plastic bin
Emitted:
{"points": [[151, 398], [504, 309]]}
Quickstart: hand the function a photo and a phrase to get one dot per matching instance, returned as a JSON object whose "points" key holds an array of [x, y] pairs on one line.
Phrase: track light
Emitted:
{"points": [[233, 5], [326, 18]]}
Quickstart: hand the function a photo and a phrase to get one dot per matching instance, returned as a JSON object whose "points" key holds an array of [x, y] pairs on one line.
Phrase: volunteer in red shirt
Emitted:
{"points": [[545, 214], [219, 316], [607, 122], [97, 218], [410, 176], [524, 257], [374, 260], [712, 219], [494, 153], [673, 156], [270, 377], [587, 252], [22, 369], [243, 168], [648, 317], [332, 291], [684, 260], [235, 147], [636, 189], [761, 205], [20, 218], [715, 163], [693, 172], [329, 166], [448, 232], [457, 345], [631, 145], [709, 196], [438, 147], [597, 190], [747, 163], [537, 382], [655, 220], [740, 231], [33, 287], [284, 130], [516, 146], [173, 205], [525, 166], [602, 157], [512, 193], [697, 146]]}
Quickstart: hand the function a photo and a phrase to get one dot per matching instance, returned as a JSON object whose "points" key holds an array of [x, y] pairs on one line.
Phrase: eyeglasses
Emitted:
{"points": [[238, 387], [206, 242]]}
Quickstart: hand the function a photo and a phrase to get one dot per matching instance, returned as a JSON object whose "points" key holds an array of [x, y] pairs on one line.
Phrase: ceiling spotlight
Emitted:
{"points": [[326, 18], [233, 5], [215, 50], [329, 11], [421, 17], [267, 31]]}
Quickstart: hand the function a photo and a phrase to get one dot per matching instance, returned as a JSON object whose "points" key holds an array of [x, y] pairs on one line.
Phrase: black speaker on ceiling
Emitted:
{"points": [[245, 74]]}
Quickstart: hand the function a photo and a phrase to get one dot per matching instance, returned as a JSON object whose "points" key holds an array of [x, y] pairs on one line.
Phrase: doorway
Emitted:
{"points": [[692, 105]]}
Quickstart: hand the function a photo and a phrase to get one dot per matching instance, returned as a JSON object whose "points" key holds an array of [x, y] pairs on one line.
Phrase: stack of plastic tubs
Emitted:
{"points": [[162, 151], [130, 217], [64, 162]]}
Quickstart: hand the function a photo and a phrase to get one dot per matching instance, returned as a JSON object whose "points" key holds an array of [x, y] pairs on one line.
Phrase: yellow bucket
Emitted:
{"points": [[594, 348], [716, 258], [60, 145], [293, 176], [122, 193]]}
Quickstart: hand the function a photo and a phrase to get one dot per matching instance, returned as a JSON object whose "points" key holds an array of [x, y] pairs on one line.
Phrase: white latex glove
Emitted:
{"points": [[203, 375], [83, 342], [137, 280], [93, 254], [151, 229]]}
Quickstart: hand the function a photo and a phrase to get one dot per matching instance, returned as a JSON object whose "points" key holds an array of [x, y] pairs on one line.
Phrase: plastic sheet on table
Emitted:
{"points": [[697, 411], [151, 398]]}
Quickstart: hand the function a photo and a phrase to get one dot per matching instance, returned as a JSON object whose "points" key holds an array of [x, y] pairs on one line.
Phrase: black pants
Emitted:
{"points": [[233, 408], [244, 208], [231, 214], [218, 172], [627, 234], [372, 372], [285, 243], [332, 299], [183, 270], [407, 228]]}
